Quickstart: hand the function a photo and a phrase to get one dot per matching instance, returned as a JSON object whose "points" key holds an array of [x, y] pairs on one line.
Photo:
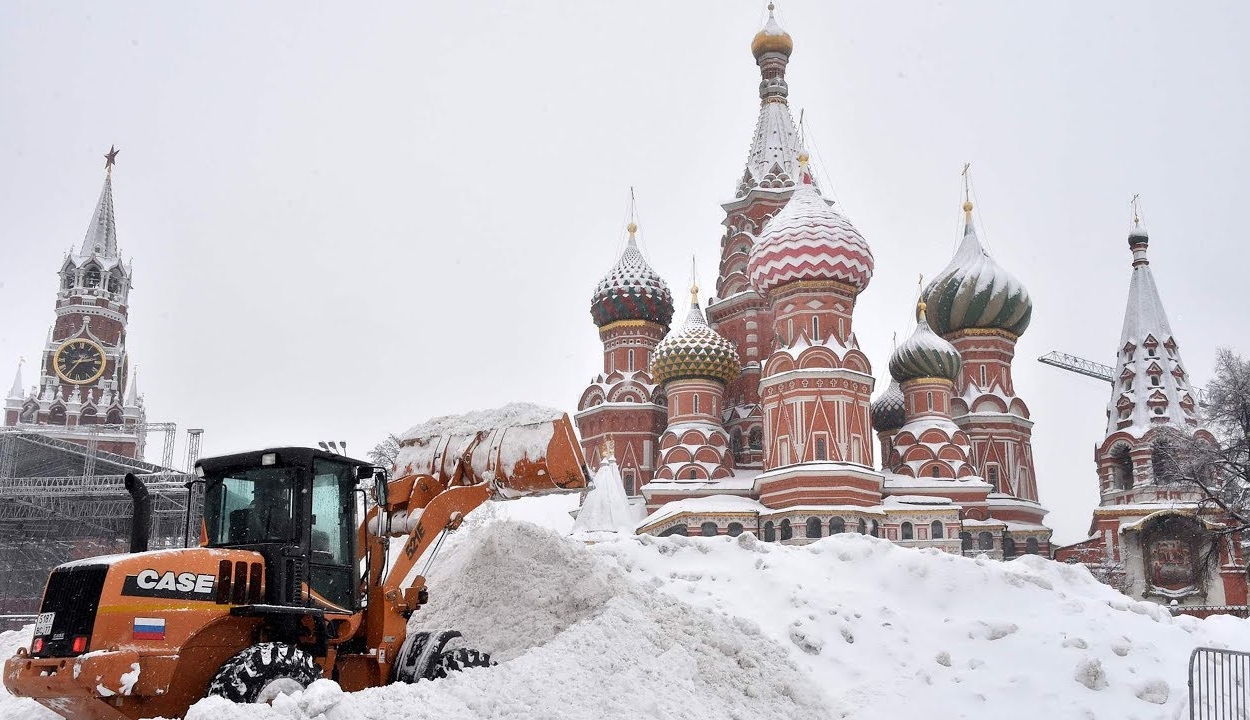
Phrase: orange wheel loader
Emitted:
{"points": [[293, 581]]}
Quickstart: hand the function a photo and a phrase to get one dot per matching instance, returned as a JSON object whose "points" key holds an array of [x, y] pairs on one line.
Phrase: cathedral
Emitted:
{"points": [[753, 410]]}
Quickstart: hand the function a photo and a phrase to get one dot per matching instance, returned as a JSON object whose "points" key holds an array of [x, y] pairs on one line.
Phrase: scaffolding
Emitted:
{"points": [[62, 499]]}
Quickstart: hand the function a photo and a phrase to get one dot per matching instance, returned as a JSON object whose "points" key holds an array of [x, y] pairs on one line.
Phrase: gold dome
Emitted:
{"points": [[772, 38]]}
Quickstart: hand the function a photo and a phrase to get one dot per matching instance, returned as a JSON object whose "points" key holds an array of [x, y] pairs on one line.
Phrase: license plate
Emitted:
{"points": [[43, 623]]}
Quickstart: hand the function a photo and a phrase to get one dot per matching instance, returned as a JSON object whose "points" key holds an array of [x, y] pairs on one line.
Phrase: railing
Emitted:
{"points": [[1219, 684]]}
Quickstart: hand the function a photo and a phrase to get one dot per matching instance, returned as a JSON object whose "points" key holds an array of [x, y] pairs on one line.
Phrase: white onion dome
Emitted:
{"points": [[889, 412], [809, 240], [694, 350], [975, 292], [632, 291], [771, 38], [924, 355]]}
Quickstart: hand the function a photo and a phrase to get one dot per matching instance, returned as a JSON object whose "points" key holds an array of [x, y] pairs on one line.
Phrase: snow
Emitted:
{"points": [[703, 505], [606, 507], [848, 627], [475, 422]]}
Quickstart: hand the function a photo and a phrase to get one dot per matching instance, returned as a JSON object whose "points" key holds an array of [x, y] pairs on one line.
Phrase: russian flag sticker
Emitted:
{"points": [[149, 628]]}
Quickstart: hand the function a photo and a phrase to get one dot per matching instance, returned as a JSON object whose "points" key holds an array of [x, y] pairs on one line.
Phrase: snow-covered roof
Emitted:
{"points": [[974, 291], [895, 481], [101, 238], [895, 500], [809, 240], [1148, 354], [703, 505]]}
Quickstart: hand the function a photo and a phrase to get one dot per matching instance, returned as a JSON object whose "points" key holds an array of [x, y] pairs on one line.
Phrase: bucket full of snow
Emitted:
{"points": [[520, 449]]}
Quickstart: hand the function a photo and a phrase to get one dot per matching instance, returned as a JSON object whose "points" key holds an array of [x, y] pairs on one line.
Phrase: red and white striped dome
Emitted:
{"points": [[809, 240]]}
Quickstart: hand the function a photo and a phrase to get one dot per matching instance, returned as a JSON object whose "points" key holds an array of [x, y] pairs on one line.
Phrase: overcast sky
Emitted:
{"points": [[345, 218]]}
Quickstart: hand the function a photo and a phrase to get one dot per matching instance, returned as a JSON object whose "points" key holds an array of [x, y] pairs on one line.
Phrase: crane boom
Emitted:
{"points": [[1098, 371]]}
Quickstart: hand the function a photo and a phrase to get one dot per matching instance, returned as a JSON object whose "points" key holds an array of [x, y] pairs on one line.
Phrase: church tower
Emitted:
{"points": [[739, 313], [85, 370], [632, 307]]}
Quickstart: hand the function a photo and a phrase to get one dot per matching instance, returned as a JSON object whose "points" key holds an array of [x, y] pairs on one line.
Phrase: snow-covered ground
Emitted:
{"points": [[617, 626]]}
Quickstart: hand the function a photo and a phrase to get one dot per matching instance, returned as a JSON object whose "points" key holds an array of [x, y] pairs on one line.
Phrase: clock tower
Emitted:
{"points": [[85, 376]]}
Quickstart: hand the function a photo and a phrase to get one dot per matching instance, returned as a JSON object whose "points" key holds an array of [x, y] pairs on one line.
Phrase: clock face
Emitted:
{"points": [[79, 361]]}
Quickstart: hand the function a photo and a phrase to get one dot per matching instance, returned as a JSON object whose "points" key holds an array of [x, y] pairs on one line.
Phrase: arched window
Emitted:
{"points": [[815, 329], [822, 450], [629, 478], [696, 402], [708, 529], [694, 474], [67, 281], [906, 532], [1122, 470], [837, 525], [91, 278], [983, 376], [965, 540], [1009, 547], [57, 415], [787, 532], [935, 530], [756, 439], [734, 529], [930, 400], [937, 472], [1030, 546], [991, 476], [87, 416], [862, 526], [675, 530], [770, 533], [115, 417], [813, 527], [875, 530], [985, 540], [631, 360]]}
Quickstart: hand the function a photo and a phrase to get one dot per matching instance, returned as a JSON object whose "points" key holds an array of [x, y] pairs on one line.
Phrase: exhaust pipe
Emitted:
{"points": [[141, 522]]}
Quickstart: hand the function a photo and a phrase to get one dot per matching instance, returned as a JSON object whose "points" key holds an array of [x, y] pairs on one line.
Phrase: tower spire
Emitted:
{"points": [[967, 197], [16, 390], [772, 162], [101, 238], [633, 217]]}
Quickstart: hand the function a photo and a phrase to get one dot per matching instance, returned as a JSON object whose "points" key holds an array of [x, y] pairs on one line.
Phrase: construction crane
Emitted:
{"points": [[1098, 371]]}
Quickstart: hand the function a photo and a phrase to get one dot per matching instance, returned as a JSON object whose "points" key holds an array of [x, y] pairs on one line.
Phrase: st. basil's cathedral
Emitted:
{"points": [[755, 412]]}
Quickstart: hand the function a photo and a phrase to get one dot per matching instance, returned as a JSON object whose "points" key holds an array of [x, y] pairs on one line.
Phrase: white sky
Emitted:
{"points": [[346, 218]]}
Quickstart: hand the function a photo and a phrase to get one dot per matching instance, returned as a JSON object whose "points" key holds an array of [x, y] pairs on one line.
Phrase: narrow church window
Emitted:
{"points": [[1009, 547], [708, 529], [935, 530], [821, 449], [965, 541], [813, 527], [875, 530], [787, 532], [937, 472], [1122, 469], [930, 401], [815, 329], [991, 475], [693, 474], [907, 531], [862, 527], [982, 376], [1154, 381], [631, 360], [629, 482], [770, 533], [755, 440]]}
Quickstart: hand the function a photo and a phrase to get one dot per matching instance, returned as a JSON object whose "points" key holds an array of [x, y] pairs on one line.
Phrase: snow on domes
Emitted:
{"points": [[632, 291], [809, 240], [975, 292], [772, 38], [889, 412], [924, 355], [694, 350]]}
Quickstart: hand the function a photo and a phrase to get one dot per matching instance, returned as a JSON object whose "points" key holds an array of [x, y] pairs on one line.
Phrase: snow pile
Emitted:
{"points": [[846, 627], [512, 414], [12, 708], [606, 507]]}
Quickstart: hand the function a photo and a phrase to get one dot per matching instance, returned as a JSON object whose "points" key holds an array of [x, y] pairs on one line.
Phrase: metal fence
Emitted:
{"points": [[1219, 684]]}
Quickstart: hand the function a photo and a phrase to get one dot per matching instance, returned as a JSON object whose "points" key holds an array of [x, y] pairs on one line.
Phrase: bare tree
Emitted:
{"points": [[385, 452], [1216, 463]]}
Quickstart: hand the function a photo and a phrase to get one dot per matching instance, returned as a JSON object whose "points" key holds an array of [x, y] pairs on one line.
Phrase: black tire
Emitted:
{"points": [[455, 661], [261, 672]]}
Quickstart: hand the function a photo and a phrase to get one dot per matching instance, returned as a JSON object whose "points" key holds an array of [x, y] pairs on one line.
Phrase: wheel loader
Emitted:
{"points": [[294, 580]]}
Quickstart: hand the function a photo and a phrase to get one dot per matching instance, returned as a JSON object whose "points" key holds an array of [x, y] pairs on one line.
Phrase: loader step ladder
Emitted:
{"points": [[1219, 684]]}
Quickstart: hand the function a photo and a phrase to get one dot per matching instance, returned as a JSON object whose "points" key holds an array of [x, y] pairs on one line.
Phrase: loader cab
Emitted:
{"points": [[298, 508]]}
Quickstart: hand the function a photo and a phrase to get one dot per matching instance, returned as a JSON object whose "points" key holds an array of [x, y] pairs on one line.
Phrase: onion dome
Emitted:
{"points": [[809, 240], [772, 38], [632, 291], [889, 412], [974, 292], [924, 355], [694, 350]]}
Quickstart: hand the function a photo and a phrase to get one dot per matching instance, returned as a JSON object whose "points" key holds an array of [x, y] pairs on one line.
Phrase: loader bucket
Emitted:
{"points": [[518, 449]]}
